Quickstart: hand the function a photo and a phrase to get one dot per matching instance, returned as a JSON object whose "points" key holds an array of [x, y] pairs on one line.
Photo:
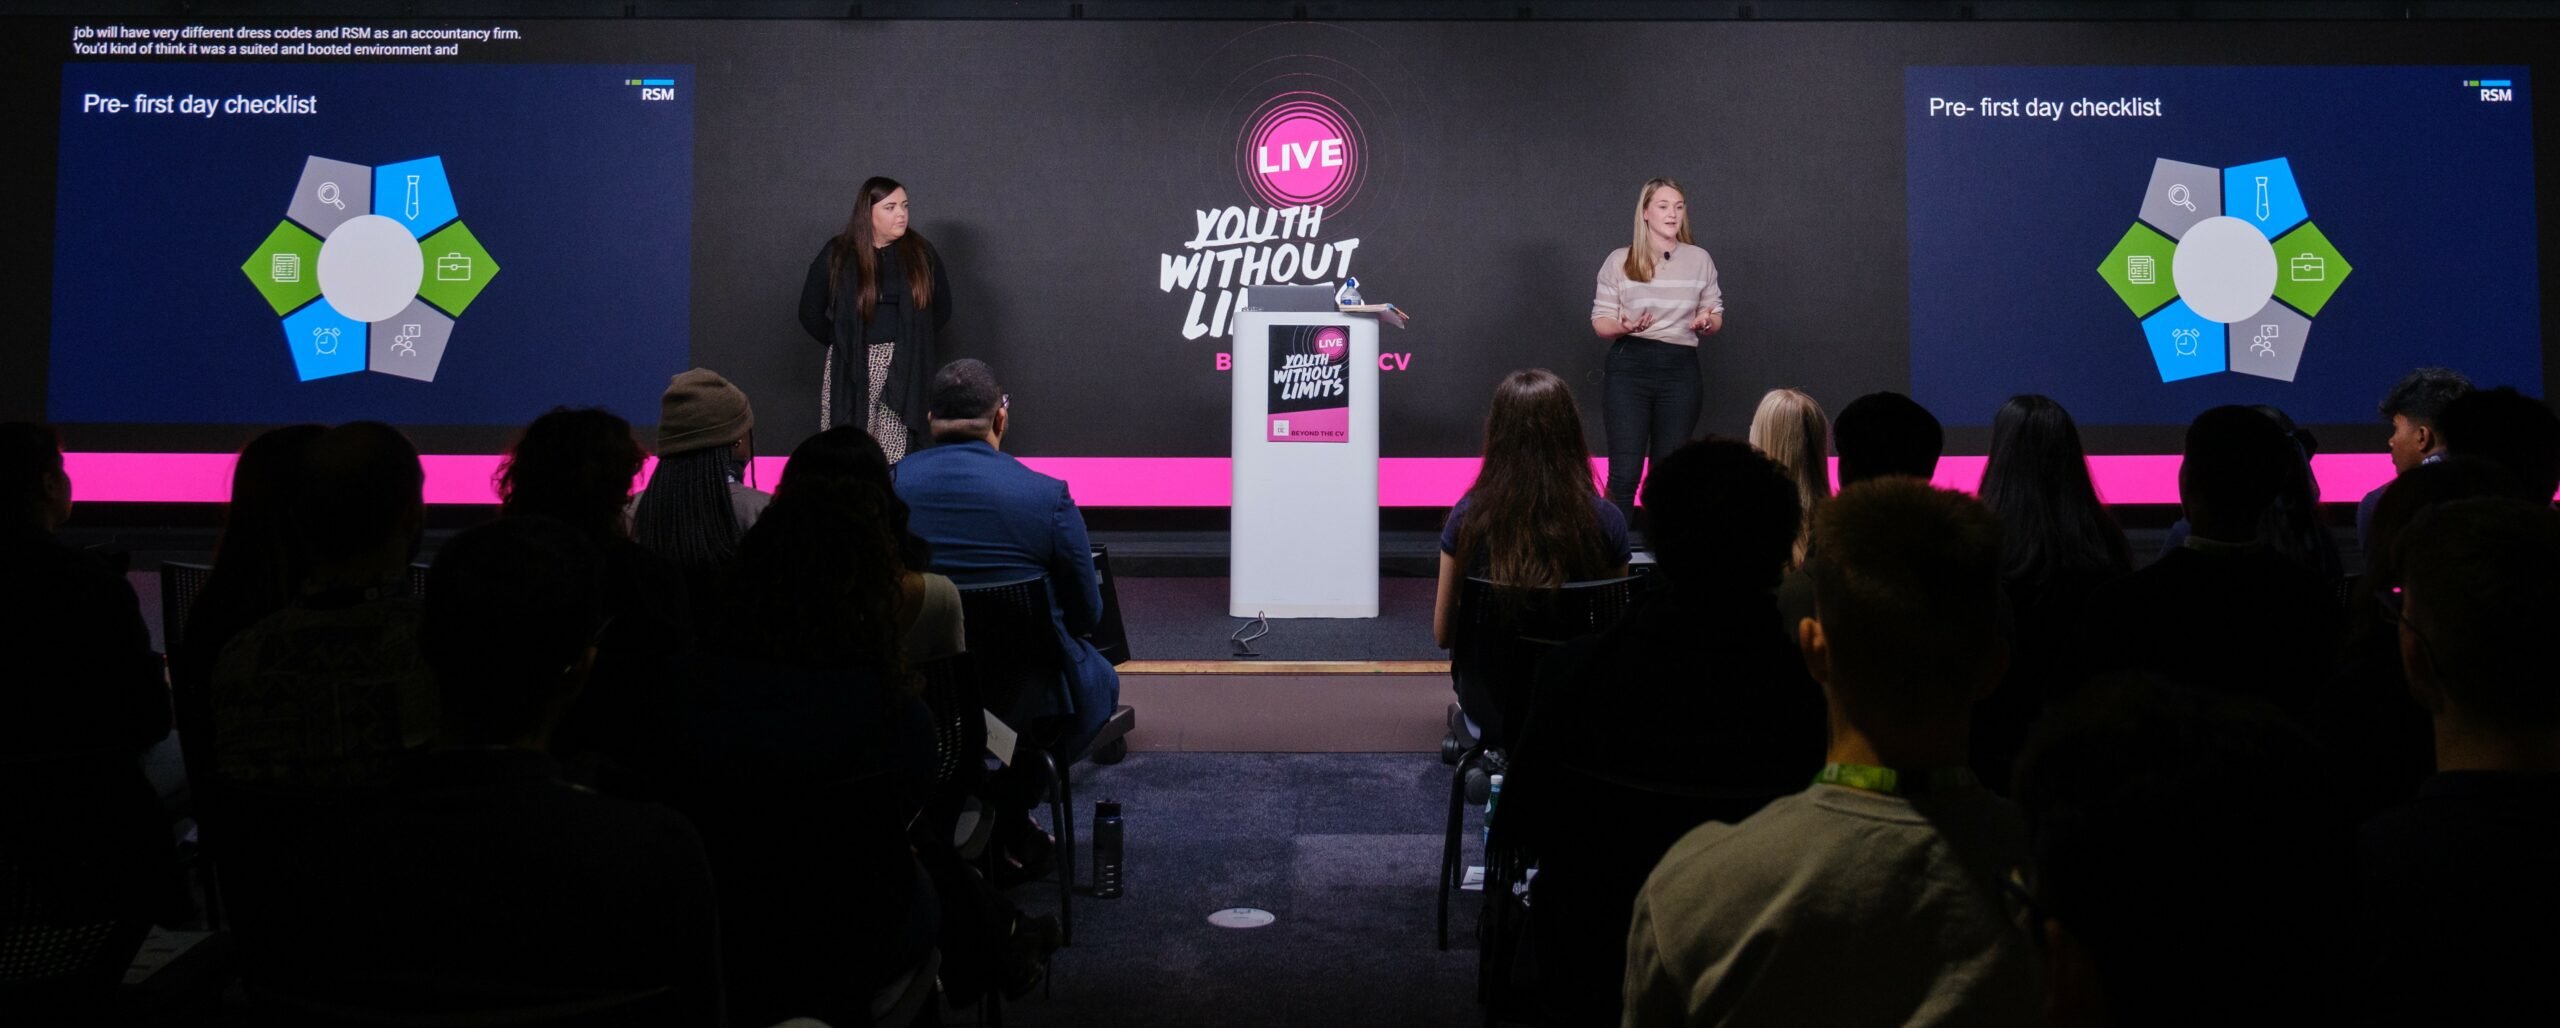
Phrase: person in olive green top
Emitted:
{"points": [[1877, 896]]}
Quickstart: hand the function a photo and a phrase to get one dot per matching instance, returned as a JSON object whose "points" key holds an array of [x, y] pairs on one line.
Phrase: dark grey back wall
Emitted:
{"points": [[1054, 161]]}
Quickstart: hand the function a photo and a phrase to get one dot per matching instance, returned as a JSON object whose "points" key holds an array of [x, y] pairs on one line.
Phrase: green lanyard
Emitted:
{"points": [[1869, 778]]}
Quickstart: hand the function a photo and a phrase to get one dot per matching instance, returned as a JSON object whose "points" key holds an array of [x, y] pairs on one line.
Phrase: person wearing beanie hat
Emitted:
{"points": [[698, 504]]}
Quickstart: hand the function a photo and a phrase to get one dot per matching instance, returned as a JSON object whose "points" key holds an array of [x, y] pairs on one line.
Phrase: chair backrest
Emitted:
{"points": [[1110, 635], [180, 584], [959, 732], [1502, 631], [49, 958], [1012, 642]]}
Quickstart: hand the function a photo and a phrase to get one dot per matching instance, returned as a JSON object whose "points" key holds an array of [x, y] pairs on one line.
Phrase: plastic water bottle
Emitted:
{"points": [[1107, 853], [1492, 796]]}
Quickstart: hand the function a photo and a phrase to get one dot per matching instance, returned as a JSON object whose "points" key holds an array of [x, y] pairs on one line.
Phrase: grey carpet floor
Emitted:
{"points": [[1186, 619], [1342, 847]]}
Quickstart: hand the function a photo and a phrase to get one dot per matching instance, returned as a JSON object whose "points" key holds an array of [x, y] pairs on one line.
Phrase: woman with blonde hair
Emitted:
{"points": [[1791, 429], [1657, 295]]}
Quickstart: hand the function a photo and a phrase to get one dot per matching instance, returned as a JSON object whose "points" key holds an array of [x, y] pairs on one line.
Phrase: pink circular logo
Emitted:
{"points": [[1302, 149], [1331, 343]]}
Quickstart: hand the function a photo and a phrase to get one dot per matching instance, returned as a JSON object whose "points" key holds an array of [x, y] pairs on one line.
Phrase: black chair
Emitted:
{"points": [[1593, 838], [56, 966], [1014, 656], [1499, 634]]}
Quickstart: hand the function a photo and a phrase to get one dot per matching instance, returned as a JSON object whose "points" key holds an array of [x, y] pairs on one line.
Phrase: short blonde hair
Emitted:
{"points": [[1791, 429], [1639, 266]]}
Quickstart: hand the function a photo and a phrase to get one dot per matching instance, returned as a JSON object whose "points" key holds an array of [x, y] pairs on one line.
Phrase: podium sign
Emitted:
{"points": [[1304, 528]]}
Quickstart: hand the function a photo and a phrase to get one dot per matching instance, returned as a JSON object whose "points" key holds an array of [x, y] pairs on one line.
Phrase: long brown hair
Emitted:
{"points": [[855, 243], [1529, 512], [1639, 265]]}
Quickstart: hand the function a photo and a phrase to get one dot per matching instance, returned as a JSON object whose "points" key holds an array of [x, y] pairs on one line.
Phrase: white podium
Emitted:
{"points": [[1304, 529]]}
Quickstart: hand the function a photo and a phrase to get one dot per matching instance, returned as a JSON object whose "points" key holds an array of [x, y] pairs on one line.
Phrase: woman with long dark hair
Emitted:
{"points": [[2058, 546], [1655, 297], [1534, 518], [877, 299], [258, 564], [2053, 526], [928, 611]]}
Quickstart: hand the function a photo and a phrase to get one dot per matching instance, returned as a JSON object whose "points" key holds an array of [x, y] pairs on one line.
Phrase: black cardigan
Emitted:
{"points": [[910, 369]]}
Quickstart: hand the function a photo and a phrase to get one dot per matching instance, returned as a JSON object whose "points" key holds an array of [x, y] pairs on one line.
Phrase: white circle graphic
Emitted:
{"points": [[371, 267], [2225, 269]]}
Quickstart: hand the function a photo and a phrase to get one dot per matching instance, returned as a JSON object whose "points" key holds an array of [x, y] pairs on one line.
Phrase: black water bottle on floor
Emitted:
{"points": [[1106, 849]]}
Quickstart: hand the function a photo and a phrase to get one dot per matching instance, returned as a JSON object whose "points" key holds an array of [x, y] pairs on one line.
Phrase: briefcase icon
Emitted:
{"points": [[454, 267], [2308, 267]]}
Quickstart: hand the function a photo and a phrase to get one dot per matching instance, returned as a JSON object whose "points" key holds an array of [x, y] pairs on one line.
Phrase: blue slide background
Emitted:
{"points": [[580, 190], [2426, 190]]}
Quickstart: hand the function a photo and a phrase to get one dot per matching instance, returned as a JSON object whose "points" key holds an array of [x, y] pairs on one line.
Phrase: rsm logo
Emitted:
{"points": [[654, 89], [2493, 91]]}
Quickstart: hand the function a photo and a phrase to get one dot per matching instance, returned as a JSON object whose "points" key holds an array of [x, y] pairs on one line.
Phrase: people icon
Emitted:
{"points": [[405, 344]]}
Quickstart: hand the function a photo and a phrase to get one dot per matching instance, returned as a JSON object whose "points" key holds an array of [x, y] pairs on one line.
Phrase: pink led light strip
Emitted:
{"points": [[1128, 481]]}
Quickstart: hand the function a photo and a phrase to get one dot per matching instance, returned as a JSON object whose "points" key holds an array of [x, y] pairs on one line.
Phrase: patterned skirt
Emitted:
{"points": [[884, 424]]}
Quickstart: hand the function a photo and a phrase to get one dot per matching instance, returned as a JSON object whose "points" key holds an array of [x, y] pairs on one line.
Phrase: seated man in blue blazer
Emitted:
{"points": [[989, 519]]}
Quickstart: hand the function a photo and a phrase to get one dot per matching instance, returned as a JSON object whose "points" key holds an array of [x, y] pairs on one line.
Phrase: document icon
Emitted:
{"points": [[285, 267], [2139, 270], [453, 267], [2309, 267]]}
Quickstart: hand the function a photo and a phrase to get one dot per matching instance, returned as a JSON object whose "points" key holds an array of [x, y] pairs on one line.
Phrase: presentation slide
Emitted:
{"points": [[2143, 243], [248, 243]]}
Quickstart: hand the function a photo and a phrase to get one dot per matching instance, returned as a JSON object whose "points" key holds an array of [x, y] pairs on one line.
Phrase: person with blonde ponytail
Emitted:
{"points": [[1657, 295]]}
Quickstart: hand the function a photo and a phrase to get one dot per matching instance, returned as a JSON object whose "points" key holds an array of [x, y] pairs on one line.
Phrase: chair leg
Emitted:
{"points": [[1065, 815], [1450, 873]]}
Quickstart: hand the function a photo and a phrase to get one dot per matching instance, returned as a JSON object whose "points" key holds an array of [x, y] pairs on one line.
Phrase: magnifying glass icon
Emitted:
{"points": [[2178, 196], [329, 195]]}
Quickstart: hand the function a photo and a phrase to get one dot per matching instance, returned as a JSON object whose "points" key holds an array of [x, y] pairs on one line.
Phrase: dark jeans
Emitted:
{"points": [[1649, 405]]}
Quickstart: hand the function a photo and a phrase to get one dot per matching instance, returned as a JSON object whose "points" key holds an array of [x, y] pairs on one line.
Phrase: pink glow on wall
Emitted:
{"points": [[1128, 481]]}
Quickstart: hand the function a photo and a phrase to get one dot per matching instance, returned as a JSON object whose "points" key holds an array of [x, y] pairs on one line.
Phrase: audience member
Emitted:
{"points": [[81, 701], [2375, 721], [2159, 815], [2515, 431], [814, 754], [2411, 409], [479, 878], [2225, 611], [928, 603], [2058, 546], [1533, 520], [2292, 525], [1877, 434], [1874, 896], [697, 502], [2454, 881], [989, 519], [1694, 694], [576, 466], [1886, 434], [1790, 428], [258, 567], [328, 691]]}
